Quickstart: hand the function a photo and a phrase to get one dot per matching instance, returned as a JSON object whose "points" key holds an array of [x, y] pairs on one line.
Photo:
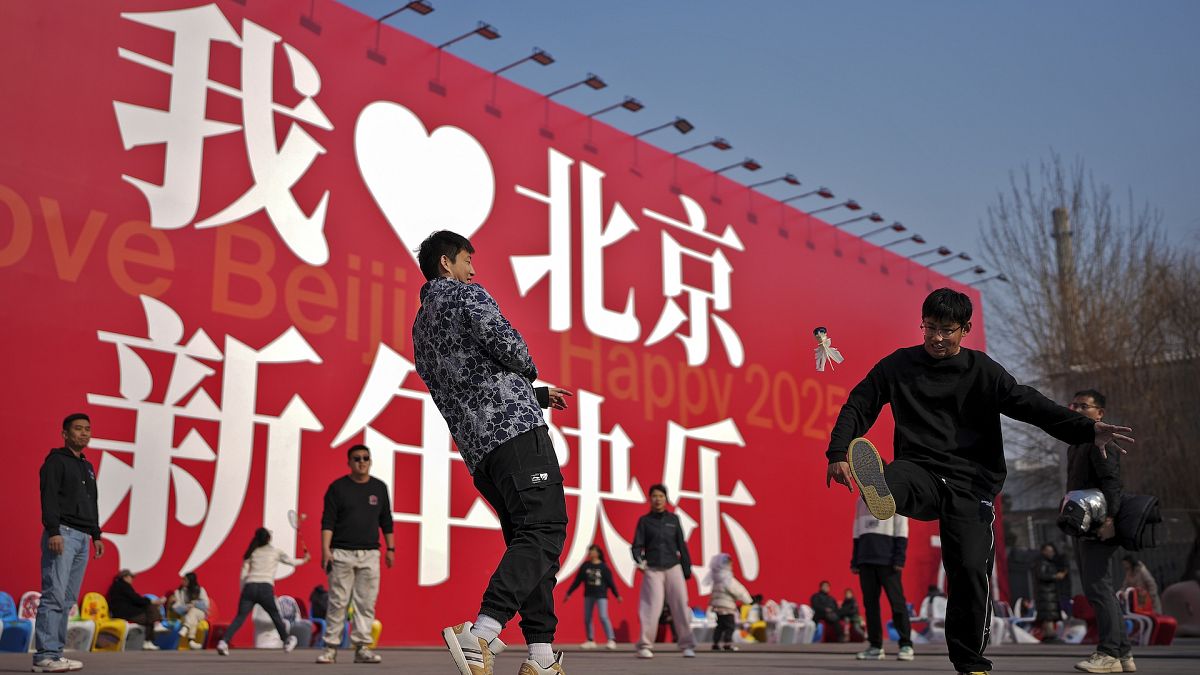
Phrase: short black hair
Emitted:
{"points": [[73, 417], [947, 304], [436, 245], [360, 446], [661, 488], [1096, 396]]}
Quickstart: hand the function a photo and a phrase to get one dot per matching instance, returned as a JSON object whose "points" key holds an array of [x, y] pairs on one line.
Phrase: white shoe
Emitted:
{"points": [[183, 632], [590, 644], [645, 653], [471, 654], [689, 653], [223, 648], [1099, 662], [192, 644], [610, 645], [328, 656], [149, 646], [906, 654], [291, 643], [871, 654], [59, 665]]}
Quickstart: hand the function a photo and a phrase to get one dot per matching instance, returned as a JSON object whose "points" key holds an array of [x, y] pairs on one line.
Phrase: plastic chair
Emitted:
{"points": [[302, 628], [169, 638], [27, 609], [111, 633], [81, 632], [1162, 627], [17, 632], [265, 635]]}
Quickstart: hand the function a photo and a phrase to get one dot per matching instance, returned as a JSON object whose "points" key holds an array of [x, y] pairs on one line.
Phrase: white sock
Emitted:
{"points": [[541, 652], [486, 628]]}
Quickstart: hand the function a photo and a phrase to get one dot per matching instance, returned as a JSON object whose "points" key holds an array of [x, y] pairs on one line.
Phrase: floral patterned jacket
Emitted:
{"points": [[476, 365]]}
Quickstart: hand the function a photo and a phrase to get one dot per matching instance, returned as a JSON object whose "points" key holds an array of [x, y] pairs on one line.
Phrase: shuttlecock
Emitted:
{"points": [[825, 351]]}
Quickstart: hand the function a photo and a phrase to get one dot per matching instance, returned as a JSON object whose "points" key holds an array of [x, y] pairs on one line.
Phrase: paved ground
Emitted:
{"points": [[1182, 657]]}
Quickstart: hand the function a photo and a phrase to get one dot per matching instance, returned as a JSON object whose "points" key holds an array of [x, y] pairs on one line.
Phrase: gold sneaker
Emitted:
{"points": [[473, 655], [531, 667], [866, 467]]}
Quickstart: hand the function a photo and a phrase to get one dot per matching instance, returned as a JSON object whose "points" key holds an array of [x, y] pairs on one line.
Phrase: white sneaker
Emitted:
{"points": [[610, 645], [906, 653], [328, 656], [590, 644], [183, 632], [473, 655], [645, 653], [1127, 664], [223, 648], [363, 654], [291, 643], [871, 654], [192, 644], [1099, 662], [689, 653], [531, 667], [59, 665]]}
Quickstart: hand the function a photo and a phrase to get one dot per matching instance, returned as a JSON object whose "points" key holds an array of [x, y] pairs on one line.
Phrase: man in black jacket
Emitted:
{"points": [[662, 554], [825, 610], [1088, 468], [946, 401], [70, 521], [124, 602]]}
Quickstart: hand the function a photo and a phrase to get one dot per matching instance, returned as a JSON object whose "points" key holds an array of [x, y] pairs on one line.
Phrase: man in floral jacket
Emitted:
{"points": [[479, 372]]}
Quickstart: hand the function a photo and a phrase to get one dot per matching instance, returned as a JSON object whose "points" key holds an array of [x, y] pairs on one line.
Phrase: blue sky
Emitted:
{"points": [[919, 110]]}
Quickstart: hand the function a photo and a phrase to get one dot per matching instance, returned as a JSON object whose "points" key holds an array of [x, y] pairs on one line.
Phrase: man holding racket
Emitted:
{"points": [[356, 509], [946, 401], [480, 374]]}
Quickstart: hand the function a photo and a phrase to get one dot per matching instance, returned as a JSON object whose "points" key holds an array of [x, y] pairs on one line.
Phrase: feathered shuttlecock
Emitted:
{"points": [[825, 351]]}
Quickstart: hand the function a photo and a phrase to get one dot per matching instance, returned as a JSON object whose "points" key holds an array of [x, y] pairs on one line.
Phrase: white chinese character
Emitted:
{"points": [[146, 482], [596, 236], [184, 126], [590, 510], [709, 495], [384, 384], [698, 315], [530, 269]]}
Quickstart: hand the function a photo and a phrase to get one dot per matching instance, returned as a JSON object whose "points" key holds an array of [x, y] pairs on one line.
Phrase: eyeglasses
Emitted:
{"points": [[940, 332], [360, 458], [1081, 406]]}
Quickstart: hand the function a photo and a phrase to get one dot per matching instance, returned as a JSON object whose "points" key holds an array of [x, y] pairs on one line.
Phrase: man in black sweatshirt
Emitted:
{"points": [[357, 508], [949, 454], [70, 521]]}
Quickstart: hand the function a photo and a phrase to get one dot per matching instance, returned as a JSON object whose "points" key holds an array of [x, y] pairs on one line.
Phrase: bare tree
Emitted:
{"points": [[1122, 316]]}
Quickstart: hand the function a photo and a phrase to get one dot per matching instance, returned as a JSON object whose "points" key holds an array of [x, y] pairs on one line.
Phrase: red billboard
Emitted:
{"points": [[208, 213]]}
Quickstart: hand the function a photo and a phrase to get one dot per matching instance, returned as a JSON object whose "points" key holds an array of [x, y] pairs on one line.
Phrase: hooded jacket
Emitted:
{"points": [[69, 496], [477, 367]]}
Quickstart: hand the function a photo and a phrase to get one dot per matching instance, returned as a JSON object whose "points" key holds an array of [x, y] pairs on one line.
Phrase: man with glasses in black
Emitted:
{"points": [[1088, 468], [948, 465], [356, 509]]}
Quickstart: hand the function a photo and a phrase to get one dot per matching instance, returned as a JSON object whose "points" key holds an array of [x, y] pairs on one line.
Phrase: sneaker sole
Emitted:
{"points": [[866, 467], [456, 651]]}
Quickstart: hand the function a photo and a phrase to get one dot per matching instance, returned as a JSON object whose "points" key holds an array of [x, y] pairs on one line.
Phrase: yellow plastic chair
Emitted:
{"points": [[110, 633]]}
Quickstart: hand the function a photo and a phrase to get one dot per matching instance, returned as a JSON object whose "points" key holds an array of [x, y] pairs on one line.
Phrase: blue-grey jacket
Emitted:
{"points": [[476, 365]]}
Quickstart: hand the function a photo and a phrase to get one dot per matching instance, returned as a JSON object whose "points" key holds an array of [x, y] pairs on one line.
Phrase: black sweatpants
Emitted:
{"points": [[968, 550], [723, 633], [873, 579], [522, 482], [1095, 571]]}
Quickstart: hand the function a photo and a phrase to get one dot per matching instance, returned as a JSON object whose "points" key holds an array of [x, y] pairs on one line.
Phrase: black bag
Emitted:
{"points": [[1137, 522], [319, 602]]}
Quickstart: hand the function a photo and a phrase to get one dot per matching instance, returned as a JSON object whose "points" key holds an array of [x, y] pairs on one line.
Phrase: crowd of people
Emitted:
{"points": [[948, 467]]}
